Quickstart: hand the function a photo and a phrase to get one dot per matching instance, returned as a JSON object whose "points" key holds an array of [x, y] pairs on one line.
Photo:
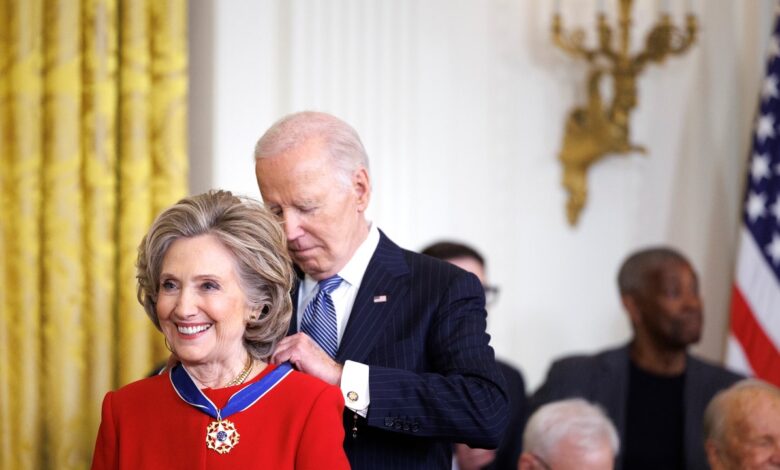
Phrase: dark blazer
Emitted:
{"points": [[603, 379], [511, 447], [419, 324]]}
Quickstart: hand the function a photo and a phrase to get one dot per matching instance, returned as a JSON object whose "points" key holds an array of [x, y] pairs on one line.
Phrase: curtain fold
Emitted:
{"points": [[23, 163], [92, 147], [169, 111], [100, 198], [135, 174], [62, 226]]}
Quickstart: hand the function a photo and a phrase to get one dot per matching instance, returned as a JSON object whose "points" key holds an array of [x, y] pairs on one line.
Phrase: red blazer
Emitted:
{"points": [[296, 425]]}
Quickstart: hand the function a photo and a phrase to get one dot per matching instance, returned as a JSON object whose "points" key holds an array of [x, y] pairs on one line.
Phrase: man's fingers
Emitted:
{"points": [[281, 353]]}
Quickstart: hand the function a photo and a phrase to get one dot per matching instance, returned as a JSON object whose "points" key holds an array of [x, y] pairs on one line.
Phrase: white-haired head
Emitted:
{"points": [[574, 424], [742, 426], [339, 139]]}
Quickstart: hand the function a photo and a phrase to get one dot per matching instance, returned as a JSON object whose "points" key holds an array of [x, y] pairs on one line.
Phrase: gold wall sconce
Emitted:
{"points": [[601, 128]]}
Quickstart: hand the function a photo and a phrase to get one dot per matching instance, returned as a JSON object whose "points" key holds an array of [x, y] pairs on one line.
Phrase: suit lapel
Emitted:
{"points": [[382, 291], [615, 387]]}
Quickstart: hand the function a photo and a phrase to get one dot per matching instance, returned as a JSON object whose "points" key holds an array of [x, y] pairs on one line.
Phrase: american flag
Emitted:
{"points": [[754, 339]]}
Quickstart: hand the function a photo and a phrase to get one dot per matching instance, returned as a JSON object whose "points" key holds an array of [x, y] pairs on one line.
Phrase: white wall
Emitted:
{"points": [[461, 105]]}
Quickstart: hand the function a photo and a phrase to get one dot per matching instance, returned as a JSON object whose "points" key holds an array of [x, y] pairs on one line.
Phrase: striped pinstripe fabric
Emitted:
{"points": [[319, 317], [419, 323]]}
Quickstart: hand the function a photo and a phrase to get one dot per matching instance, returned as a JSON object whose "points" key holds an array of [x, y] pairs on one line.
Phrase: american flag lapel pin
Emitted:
{"points": [[378, 299]]}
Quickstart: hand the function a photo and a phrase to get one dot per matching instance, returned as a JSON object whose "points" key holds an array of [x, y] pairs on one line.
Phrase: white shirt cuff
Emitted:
{"points": [[354, 387]]}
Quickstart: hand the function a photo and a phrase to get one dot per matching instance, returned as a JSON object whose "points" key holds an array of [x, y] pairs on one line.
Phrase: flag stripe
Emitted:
{"points": [[761, 352], [755, 304], [759, 287], [736, 357]]}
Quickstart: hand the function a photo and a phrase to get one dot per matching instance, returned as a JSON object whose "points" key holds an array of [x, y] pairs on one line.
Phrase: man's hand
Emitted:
{"points": [[473, 459], [307, 356]]}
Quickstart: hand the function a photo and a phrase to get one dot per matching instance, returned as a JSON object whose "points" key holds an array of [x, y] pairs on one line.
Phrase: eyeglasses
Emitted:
{"points": [[491, 293]]}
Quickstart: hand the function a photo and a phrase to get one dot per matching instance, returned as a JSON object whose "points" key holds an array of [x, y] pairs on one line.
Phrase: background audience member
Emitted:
{"points": [[507, 454], [742, 427], [402, 334], [653, 389], [569, 435]]}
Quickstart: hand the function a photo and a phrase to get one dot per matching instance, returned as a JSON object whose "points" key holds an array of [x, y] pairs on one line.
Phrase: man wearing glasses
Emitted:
{"points": [[505, 457]]}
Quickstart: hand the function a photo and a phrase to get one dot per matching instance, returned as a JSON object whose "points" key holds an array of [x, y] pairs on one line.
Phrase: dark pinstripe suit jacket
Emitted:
{"points": [[432, 375], [603, 379]]}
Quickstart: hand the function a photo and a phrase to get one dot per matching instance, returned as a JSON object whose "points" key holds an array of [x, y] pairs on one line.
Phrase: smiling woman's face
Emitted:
{"points": [[200, 304]]}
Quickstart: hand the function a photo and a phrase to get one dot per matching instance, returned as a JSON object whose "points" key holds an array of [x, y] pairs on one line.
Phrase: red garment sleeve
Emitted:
{"points": [[322, 440], [105, 456]]}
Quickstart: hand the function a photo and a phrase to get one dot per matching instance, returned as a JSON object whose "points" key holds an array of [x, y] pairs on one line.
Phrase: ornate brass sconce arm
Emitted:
{"points": [[599, 129], [665, 39], [574, 42]]}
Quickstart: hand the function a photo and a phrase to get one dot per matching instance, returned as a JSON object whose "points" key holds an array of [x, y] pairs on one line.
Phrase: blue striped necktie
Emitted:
{"points": [[319, 318]]}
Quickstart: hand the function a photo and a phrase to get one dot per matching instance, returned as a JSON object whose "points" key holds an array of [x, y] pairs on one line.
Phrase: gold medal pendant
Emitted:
{"points": [[221, 436]]}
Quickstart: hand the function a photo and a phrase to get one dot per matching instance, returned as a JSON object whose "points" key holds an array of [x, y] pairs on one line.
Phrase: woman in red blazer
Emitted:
{"points": [[214, 277]]}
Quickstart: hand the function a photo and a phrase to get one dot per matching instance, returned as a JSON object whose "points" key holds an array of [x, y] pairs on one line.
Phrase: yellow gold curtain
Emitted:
{"points": [[92, 146]]}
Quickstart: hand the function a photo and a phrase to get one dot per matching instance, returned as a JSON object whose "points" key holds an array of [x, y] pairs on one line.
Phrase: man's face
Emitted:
{"points": [[752, 433], [669, 307], [322, 215]]}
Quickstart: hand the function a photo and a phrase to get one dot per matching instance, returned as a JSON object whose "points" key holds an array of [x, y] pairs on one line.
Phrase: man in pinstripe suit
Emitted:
{"points": [[413, 358]]}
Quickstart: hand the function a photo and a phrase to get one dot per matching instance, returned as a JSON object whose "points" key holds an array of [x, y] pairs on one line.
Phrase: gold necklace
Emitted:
{"points": [[244, 373]]}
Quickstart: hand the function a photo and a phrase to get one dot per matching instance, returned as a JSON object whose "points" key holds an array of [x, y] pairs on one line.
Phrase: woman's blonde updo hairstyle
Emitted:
{"points": [[257, 242]]}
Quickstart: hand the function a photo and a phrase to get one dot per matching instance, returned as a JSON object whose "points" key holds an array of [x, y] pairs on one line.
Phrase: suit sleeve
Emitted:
{"points": [[322, 441], [460, 395], [106, 455], [512, 446]]}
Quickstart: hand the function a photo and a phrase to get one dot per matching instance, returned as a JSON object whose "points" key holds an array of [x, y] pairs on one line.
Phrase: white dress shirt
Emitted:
{"points": [[354, 376]]}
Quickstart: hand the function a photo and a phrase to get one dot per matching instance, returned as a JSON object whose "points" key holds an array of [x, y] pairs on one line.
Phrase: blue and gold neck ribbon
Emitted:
{"points": [[241, 400]]}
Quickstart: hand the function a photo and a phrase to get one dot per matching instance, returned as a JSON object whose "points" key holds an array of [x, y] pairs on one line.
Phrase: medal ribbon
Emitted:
{"points": [[249, 395]]}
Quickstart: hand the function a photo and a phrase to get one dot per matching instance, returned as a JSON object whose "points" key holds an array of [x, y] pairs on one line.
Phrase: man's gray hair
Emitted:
{"points": [[339, 138], [717, 410], [632, 277], [582, 422]]}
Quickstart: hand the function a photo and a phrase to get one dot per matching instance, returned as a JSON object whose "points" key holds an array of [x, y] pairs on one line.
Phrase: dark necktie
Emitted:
{"points": [[319, 318]]}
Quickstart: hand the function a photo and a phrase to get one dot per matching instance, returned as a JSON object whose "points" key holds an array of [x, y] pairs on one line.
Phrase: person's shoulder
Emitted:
{"points": [[311, 392], [432, 268], [428, 263], [712, 371], [147, 388], [576, 361], [420, 264], [580, 375], [308, 385], [513, 375], [508, 369]]}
